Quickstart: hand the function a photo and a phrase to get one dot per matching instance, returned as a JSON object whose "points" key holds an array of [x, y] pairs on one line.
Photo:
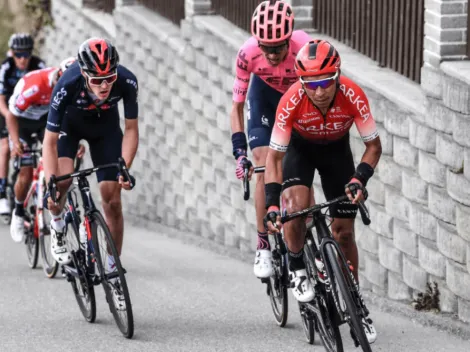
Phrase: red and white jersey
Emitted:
{"points": [[295, 111], [32, 94]]}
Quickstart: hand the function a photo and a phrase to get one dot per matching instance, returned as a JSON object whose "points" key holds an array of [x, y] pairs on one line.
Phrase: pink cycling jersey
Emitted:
{"points": [[251, 59]]}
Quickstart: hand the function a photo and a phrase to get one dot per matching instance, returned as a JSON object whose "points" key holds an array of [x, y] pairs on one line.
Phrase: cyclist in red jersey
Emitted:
{"points": [[311, 132], [27, 115], [267, 58]]}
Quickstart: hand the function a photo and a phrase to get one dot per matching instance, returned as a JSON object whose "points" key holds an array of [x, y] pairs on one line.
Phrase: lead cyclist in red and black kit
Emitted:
{"points": [[269, 55], [312, 132]]}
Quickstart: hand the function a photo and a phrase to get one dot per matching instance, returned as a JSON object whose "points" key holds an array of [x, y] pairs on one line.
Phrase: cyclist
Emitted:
{"points": [[85, 106], [27, 116], [312, 132], [12, 69], [269, 54]]}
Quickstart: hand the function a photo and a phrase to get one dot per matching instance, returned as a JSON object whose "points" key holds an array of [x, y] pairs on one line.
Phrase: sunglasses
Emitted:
{"points": [[323, 83], [272, 49], [98, 80], [22, 54]]}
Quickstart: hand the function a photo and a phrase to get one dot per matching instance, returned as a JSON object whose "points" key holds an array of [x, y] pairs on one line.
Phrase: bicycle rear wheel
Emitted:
{"points": [[345, 287], [30, 240], [50, 266], [82, 285], [113, 281]]}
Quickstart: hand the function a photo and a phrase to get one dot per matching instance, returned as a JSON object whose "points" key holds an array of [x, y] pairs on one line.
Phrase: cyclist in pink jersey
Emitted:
{"points": [[269, 55], [311, 133]]}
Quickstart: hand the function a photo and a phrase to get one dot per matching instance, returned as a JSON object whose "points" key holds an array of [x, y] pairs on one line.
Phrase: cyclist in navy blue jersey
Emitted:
{"points": [[84, 105]]}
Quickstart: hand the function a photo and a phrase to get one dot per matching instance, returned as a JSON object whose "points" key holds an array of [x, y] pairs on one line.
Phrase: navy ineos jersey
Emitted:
{"points": [[10, 75], [71, 96]]}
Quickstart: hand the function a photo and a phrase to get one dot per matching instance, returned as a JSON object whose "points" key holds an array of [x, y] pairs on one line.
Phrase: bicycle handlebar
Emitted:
{"points": [[120, 165], [362, 209], [246, 182]]}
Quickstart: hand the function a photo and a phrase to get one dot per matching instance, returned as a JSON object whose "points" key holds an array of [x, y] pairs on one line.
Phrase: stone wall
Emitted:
{"points": [[419, 197]]}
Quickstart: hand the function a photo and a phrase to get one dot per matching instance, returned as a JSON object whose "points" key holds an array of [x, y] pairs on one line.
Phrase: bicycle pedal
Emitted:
{"points": [[264, 280]]}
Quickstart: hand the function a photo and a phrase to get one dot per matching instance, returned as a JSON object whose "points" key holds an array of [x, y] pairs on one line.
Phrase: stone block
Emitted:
{"points": [[462, 220], [389, 256], [431, 259], [396, 205], [461, 127], [458, 279], [431, 170], [458, 187], [441, 205], [413, 275], [414, 187], [374, 272], [422, 137], [381, 222], [404, 239], [396, 121], [376, 190], [397, 288], [456, 94], [389, 172], [422, 221], [386, 139], [450, 243], [449, 152], [404, 153], [367, 239], [464, 310], [438, 116], [466, 163]]}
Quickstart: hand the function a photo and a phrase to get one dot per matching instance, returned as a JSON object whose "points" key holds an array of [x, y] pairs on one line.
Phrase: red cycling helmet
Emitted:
{"points": [[317, 57], [272, 21], [98, 56]]}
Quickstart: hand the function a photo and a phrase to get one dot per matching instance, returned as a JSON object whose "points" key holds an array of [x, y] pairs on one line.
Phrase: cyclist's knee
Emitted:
{"points": [[259, 155], [25, 175], [344, 234], [295, 198], [4, 147], [112, 206]]}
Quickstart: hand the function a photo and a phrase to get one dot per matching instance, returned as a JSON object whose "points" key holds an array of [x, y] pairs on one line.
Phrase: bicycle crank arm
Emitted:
{"points": [[317, 312], [70, 270], [113, 274]]}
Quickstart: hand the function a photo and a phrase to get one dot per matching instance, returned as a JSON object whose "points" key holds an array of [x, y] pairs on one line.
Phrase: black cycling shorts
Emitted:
{"points": [[101, 131], [335, 165], [27, 128]]}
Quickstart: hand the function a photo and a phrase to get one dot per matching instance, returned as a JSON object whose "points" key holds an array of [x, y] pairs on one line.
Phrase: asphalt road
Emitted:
{"points": [[185, 298]]}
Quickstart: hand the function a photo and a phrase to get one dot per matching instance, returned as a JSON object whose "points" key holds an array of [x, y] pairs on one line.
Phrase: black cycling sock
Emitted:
{"points": [[263, 242], [296, 260], [3, 188], [19, 209]]}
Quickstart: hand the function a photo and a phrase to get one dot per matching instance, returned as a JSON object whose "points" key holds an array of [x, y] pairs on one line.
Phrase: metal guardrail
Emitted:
{"points": [[388, 31]]}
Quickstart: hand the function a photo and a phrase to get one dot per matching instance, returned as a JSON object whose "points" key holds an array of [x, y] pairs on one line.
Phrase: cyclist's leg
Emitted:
{"points": [[335, 169], [4, 159], [298, 171], [107, 149], [261, 103]]}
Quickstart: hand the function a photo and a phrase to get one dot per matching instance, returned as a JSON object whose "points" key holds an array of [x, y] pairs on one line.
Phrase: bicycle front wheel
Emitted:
{"points": [[113, 280], [345, 287], [30, 240], [49, 264]]}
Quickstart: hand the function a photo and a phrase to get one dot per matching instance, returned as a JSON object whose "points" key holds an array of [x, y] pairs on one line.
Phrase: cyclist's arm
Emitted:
{"points": [[236, 117], [12, 126], [240, 89], [3, 105], [130, 141], [50, 156]]}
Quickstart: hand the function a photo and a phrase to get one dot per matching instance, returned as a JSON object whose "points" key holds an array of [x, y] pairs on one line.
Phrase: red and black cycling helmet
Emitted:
{"points": [[98, 56]]}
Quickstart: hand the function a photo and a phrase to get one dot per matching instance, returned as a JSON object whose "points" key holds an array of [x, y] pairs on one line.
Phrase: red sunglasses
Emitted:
{"points": [[98, 80], [323, 83]]}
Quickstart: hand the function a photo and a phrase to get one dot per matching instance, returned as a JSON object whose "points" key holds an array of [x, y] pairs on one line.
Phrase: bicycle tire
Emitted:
{"points": [[308, 323], [354, 320], [31, 242], [6, 218], [331, 337], [49, 264], [125, 324], [86, 298]]}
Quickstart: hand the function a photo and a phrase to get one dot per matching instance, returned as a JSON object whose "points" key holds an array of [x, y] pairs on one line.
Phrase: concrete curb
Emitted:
{"points": [[443, 322]]}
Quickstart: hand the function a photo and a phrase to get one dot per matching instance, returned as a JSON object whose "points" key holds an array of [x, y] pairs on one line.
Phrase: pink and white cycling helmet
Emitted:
{"points": [[272, 21]]}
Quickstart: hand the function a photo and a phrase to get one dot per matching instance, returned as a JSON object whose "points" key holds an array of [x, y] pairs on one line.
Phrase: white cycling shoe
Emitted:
{"points": [[263, 267], [369, 329], [301, 286], [5, 208], [58, 248], [17, 228]]}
